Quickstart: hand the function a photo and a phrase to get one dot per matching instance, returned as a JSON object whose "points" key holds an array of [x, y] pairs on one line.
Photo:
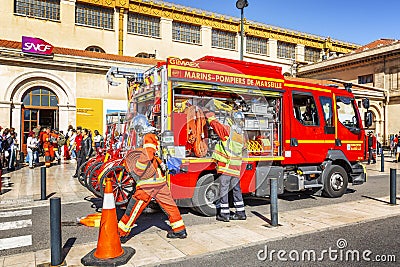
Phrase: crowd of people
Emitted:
{"points": [[8, 148], [53, 145]]}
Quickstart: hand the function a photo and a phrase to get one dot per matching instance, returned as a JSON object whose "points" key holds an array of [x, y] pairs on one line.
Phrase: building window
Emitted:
{"points": [[366, 79], [256, 45], [223, 39], [144, 25], [94, 16], [44, 9], [185, 33], [311, 54], [286, 50], [94, 48], [40, 97]]}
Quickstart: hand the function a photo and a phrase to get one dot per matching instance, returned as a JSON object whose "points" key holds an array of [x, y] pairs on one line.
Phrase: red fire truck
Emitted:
{"points": [[308, 136]]}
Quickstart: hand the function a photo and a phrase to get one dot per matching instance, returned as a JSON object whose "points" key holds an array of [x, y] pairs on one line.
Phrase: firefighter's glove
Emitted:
{"points": [[163, 167]]}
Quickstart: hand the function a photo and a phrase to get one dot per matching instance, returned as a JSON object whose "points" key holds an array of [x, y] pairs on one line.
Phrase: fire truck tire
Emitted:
{"points": [[89, 171], [336, 181], [123, 189], [92, 182], [82, 171], [205, 194]]}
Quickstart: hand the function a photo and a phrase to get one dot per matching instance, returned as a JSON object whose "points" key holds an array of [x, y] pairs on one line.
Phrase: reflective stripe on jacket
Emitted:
{"points": [[228, 153], [148, 159]]}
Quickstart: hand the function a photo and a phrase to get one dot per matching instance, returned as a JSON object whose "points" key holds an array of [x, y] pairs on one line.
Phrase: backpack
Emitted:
{"points": [[61, 140]]}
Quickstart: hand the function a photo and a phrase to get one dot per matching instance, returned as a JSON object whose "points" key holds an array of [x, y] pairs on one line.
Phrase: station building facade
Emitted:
{"points": [[90, 36]]}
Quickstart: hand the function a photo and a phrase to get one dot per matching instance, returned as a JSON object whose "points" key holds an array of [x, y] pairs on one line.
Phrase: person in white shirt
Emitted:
{"points": [[32, 145]]}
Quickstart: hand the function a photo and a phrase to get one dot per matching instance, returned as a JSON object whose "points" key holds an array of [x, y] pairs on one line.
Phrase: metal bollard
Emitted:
{"points": [[21, 158], [43, 183], [393, 186], [274, 201], [382, 162], [55, 231]]}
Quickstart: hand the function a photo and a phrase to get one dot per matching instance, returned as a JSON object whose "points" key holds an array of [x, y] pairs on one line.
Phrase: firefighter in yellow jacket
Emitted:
{"points": [[228, 153], [147, 188]]}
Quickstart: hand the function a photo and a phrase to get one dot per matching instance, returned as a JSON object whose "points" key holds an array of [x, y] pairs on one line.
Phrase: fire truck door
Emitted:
{"points": [[349, 128], [306, 134]]}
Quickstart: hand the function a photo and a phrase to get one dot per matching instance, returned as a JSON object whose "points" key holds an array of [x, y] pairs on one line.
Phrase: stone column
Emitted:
{"points": [[272, 45], [206, 39], [16, 119], [67, 116], [67, 15], [300, 51], [5, 108], [166, 36]]}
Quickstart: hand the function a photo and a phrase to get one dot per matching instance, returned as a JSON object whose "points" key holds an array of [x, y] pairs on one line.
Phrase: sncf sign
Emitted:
{"points": [[36, 46]]}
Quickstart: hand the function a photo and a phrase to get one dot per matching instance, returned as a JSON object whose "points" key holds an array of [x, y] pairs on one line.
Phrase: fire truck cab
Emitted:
{"points": [[308, 136]]}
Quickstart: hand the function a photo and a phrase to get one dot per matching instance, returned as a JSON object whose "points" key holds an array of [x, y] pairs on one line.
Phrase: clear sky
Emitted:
{"points": [[354, 21]]}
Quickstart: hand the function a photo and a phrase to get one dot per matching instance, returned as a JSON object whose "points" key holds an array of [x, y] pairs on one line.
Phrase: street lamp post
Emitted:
{"points": [[241, 4]]}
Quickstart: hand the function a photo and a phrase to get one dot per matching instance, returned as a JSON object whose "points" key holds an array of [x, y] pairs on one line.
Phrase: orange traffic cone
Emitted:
{"points": [[109, 250], [92, 220]]}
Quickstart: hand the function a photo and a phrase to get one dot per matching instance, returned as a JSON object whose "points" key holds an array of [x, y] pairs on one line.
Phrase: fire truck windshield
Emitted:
{"points": [[347, 112]]}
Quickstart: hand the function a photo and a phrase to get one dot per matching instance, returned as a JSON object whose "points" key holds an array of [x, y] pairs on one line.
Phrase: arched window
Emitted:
{"points": [[94, 48], [39, 96]]}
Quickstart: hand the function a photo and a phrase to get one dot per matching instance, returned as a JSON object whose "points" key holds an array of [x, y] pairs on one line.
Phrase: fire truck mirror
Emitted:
{"points": [[368, 119], [365, 103]]}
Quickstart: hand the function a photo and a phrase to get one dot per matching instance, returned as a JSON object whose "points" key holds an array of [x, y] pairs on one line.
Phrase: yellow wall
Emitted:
{"points": [[89, 113]]}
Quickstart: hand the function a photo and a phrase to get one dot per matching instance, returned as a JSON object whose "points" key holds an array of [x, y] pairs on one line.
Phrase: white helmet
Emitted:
{"points": [[142, 125], [238, 118]]}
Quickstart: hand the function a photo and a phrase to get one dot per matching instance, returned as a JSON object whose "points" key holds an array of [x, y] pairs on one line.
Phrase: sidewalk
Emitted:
{"points": [[153, 247], [23, 186]]}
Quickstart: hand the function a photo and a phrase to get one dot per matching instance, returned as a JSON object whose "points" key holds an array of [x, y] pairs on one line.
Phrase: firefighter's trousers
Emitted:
{"points": [[226, 184], [142, 197], [47, 154]]}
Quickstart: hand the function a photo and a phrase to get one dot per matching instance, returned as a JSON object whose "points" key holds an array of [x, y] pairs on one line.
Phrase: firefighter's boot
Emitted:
{"points": [[181, 234], [222, 218], [238, 216]]}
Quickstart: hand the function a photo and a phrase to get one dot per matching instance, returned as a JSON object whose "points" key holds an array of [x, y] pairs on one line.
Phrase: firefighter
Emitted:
{"points": [[54, 150], [155, 186], [228, 153], [46, 143], [371, 145]]}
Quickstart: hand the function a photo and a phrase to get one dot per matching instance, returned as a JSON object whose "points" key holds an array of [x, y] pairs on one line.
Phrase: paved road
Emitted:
{"points": [[33, 229], [367, 244]]}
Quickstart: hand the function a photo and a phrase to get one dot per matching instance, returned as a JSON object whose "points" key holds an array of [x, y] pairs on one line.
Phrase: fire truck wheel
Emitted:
{"points": [[336, 181], [123, 185], [89, 171], [92, 182], [82, 171], [205, 194]]}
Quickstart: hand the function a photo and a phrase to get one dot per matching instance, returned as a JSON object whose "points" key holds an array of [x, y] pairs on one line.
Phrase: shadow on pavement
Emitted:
{"points": [[67, 246], [265, 219], [376, 199]]}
